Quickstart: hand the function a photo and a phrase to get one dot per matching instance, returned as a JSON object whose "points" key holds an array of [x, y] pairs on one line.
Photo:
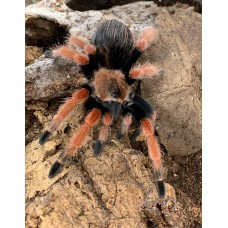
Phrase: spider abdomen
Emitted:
{"points": [[114, 43]]}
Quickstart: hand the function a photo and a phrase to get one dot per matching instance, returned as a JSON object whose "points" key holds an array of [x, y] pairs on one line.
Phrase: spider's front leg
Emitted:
{"points": [[145, 115], [77, 141], [77, 98], [154, 153]]}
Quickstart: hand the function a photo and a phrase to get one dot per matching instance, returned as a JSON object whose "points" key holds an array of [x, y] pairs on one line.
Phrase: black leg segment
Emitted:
{"points": [[44, 137]]}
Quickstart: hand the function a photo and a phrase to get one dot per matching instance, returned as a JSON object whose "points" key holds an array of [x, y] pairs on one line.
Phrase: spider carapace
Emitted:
{"points": [[108, 63]]}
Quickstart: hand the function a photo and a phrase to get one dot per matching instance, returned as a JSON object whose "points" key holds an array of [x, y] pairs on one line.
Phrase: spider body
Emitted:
{"points": [[109, 66]]}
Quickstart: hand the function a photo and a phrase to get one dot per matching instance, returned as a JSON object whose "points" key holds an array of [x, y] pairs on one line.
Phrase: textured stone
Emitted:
{"points": [[117, 188], [176, 95], [32, 53], [48, 79]]}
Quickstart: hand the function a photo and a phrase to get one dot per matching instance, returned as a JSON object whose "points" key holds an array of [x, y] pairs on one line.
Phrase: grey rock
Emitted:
{"points": [[48, 79]]}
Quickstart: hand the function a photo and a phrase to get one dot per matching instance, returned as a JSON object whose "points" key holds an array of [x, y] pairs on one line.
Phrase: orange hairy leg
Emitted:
{"points": [[144, 71], [77, 141], [145, 39], [81, 42], [154, 153], [70, 53], [77, 98], [103, 134], [126, 123]]}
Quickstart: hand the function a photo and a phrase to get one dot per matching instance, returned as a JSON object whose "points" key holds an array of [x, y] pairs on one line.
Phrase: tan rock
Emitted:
{"points": [[116, 189], [177, 94], [32, 53]]}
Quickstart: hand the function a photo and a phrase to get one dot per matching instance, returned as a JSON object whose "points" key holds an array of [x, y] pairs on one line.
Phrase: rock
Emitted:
{"points": [[32, 53], [117, 188], [29, 2], [177, 94], [48, 79]]}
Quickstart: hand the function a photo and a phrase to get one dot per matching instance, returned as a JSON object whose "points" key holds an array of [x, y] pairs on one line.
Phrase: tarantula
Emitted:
{"points": [[109, 66]]}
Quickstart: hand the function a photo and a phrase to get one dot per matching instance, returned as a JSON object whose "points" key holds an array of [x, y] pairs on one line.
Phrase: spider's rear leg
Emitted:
{"points": [[81, 42], [126, 123], [144, 71], [86, 59], [78, 97], [147, 36], [77, 141], [71, 54], [103, 134]]}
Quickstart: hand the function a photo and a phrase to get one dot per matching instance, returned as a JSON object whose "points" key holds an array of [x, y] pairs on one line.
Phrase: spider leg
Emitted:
{"points": [[77, 141], [71, 54], [103, 134], [144, 71], [87, 60], [145, 115], [81, 42], [77, 98], [145, 39], [154, 153], [126, 123]]}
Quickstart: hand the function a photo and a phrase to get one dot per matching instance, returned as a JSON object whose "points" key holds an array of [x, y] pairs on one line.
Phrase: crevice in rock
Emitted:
{"points": [[83, 5], [58, 180], [151, 224], [32, 199], [45, 33], [162, 215], [93, 188]]}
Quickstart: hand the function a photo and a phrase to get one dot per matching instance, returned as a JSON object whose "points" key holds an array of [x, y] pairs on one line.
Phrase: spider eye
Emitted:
{"points": [[114, 95]]}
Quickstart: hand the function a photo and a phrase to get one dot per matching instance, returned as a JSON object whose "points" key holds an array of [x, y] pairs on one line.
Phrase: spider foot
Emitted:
{"points": [[147, 36], [98, 147], [119, 135], [44, 137], [55, 169], [160, 188], [48, 54], [144, 71]]}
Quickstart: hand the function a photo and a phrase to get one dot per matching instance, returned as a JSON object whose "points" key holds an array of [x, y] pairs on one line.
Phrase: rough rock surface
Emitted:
{"points": [[113, 190], [177, 95], [47, 79], [32, 53], [116, 189]]}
